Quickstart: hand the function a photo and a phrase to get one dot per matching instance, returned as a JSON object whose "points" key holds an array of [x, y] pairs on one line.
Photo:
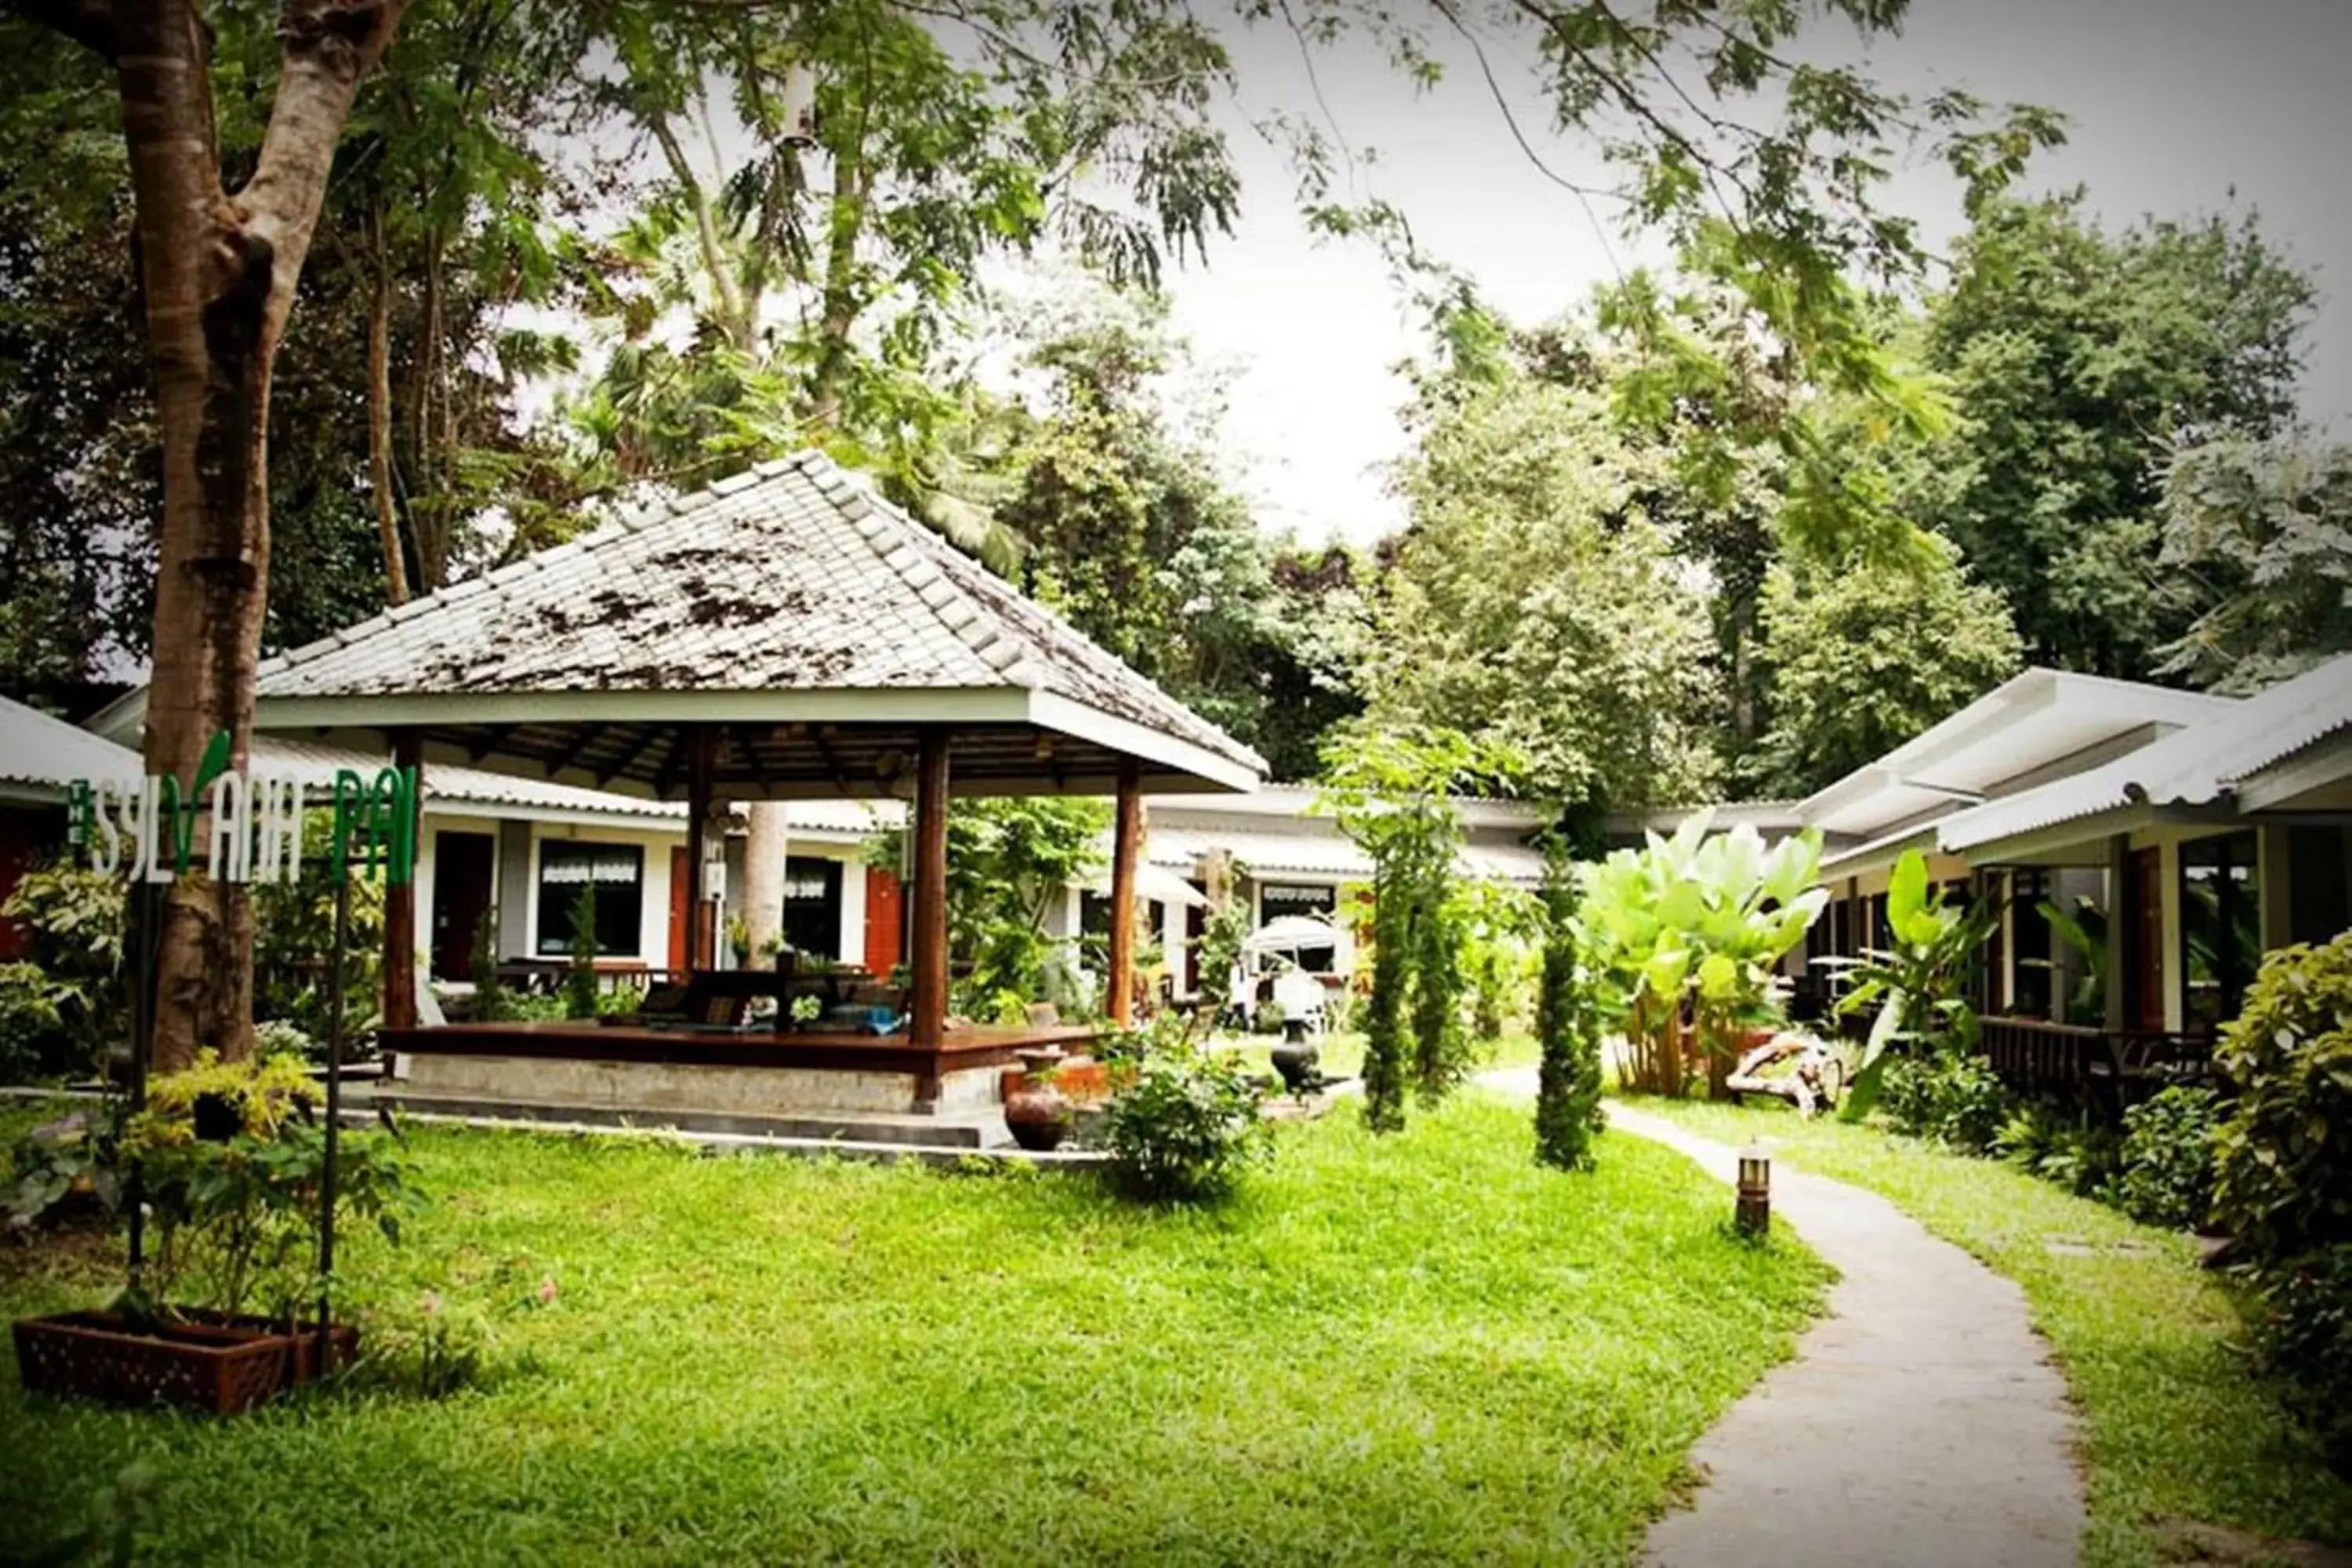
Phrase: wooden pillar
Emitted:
{"points": [[1127, 846], [400, 905], [698, 819], [927, 956]]}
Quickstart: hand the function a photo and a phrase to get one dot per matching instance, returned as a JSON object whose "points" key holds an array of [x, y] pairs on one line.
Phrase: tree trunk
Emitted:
{"points": [[387, 512], [218, 274], [764, 853]]}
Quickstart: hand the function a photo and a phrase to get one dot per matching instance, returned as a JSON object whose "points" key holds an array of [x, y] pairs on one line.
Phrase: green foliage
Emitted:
{"points": [[2266, 521], [1955, 1101], [1568, 1113], [2306, 1340], [231, 1158], [1695, 925], [1187, 1130], [2282, 1178], [1868, 654], [61, 1011], [580, 989], [1920, 984], [2073, 356], [2167, 1159], [294, 936], [1588, 655], [1392, 794], [2068, 1149]]}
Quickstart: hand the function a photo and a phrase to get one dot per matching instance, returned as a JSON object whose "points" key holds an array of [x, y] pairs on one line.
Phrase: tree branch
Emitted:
{"points": [[329, 46], [89, 23]]}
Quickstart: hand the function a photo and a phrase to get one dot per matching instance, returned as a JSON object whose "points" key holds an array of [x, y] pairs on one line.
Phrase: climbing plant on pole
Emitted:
{"points": [[1567, 1027], [1392, 792]]}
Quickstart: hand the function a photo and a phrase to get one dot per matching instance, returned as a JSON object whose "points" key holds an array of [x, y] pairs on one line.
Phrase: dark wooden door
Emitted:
{"points": [[884, 921], [464, 873], [2146, 916], [1196, 925]]}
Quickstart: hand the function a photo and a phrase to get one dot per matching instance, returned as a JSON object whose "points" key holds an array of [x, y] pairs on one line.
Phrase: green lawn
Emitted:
{"points": [[1420, 1348], [2174, 1427]]}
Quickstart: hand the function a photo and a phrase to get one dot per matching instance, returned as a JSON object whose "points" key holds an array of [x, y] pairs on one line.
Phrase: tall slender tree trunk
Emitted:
{"points": [[218, 272], [379, 349]]}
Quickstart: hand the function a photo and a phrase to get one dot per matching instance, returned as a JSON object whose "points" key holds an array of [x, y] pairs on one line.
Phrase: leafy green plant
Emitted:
{"points": [[61, 1012], [580, 988], [1391, 793], [64, 1169], [1955, 1101], [1188, 1127], [231, 1159], [2084, 931], [1686, 933], [2166, 1177], [294, 938], [2305, 1337], [1920, 984], [1569, 1114], [2283, 1171], [2065, 1148]]}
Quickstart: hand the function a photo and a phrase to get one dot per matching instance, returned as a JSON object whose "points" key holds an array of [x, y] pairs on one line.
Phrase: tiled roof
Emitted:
{"points": [[2192, 766], [49, 753], [790, 577]]}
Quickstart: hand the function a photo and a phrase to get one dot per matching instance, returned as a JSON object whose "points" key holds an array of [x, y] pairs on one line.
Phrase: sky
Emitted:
{"points": [[2176, 107]]}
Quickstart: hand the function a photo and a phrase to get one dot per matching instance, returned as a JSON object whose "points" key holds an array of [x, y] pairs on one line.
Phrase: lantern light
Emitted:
{"points": [[1754, 1215]]}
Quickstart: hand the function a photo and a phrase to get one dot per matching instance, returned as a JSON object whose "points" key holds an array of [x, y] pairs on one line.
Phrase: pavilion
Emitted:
{"points": [[785, 634]]}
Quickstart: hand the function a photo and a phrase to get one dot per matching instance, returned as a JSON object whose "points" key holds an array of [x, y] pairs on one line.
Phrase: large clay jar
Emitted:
{"points": [[1036, 1111]]}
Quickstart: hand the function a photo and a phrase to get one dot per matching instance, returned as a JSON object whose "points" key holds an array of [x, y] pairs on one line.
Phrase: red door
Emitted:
{"points": [[678, 921], [885, 919], [463, 865]]}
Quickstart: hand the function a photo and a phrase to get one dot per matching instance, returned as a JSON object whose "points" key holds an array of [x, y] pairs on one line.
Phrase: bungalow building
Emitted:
{"points": [[2179, 834]]}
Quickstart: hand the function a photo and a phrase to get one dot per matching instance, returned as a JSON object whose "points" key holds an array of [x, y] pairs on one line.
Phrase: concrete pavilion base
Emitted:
{"points": [[793, 1086]]}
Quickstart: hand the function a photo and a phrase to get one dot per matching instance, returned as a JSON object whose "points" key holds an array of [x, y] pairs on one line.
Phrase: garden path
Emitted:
{"points": [[1921, 1422]]}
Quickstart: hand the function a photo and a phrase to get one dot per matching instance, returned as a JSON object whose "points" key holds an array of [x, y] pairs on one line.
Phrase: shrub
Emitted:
{"points": [[2306, 1338], [2282, 1172], [1957, 1101], [1569, 1114], [1187, 1129], [60, 1011], [2168, 1160], [231, 1159], [2081, 1156]]}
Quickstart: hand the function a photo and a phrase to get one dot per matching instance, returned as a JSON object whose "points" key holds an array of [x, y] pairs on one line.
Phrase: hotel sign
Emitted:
{"points": [[147, 830]]}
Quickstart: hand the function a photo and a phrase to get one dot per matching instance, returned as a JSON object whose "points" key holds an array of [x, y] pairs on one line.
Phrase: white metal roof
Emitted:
{"points": [[1329, 856], [2195, 766], [505, 795], [2034, 720], [40, 755]]}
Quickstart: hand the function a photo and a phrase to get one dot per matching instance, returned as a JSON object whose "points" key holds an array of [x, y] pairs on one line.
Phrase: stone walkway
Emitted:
{"points": [[1921, 1422]]}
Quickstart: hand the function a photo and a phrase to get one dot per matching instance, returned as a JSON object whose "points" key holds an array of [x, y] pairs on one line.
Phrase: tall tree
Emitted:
{"points": [[2265, 530], [219, 261], [1535, 602], [1865, 655], [2074, 357]]}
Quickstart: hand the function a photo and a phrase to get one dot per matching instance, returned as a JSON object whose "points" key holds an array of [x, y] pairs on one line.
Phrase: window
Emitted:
{"points": [[2030, 993], [618, 871], [811, 920], [1298, 898], [2220, 927]]}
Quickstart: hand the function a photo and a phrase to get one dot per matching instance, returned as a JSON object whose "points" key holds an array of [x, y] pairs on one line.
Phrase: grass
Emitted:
{"points": [[2174, 1426], [1420, 1349]]}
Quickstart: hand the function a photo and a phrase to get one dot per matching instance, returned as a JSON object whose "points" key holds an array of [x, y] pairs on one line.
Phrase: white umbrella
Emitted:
{"points": [[1291, 933]]}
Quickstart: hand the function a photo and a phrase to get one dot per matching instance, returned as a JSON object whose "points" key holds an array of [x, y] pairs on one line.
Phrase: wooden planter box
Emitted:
{"points": [[207, 1360]]}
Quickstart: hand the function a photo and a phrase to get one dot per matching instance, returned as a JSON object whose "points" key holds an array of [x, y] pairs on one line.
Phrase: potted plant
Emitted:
{"points": [[230, 1158], [1035, 1110]]}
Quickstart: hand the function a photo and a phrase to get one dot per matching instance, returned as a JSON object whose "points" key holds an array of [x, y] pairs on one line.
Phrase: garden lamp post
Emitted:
{"points": [[1754, 1215]]}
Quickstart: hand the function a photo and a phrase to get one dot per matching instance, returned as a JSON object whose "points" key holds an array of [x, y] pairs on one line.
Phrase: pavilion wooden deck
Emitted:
{"points": [[924, 1068]]}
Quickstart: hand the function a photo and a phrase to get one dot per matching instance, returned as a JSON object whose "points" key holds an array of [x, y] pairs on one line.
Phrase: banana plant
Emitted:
{"points": [[1920, 982], [1695, 925]]}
